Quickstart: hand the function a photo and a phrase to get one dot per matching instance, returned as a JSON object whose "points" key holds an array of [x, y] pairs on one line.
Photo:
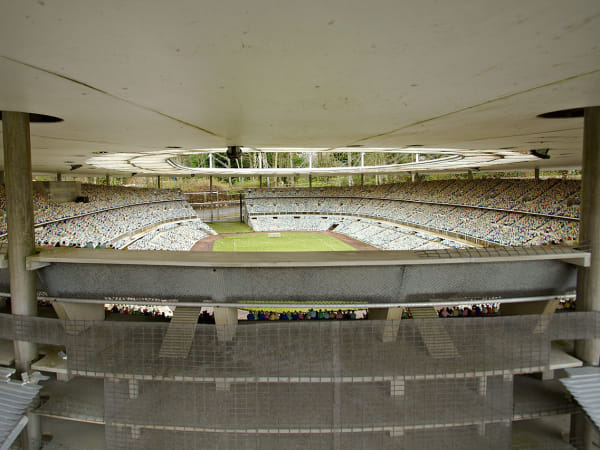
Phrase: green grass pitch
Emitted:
{"points": [[230, 227], [288, 242]]}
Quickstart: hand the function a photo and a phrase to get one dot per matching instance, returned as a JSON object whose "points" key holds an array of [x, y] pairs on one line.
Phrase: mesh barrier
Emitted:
{"points": [[302, 407], [478, 252], [494, 436], [421, 383], [576, 325], [32, 329], [355, 349]]}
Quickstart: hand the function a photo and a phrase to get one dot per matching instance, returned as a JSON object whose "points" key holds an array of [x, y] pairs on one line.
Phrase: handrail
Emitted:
{"points": [[243, 305]]}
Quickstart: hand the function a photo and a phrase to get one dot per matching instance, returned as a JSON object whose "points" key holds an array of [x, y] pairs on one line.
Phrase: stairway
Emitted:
{"points": [[434, 335], [179, 336]]}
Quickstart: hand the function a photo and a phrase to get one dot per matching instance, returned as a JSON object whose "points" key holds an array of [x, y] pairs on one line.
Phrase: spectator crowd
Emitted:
{"points": [[404, 216], [110, 215], [496, 211], [469, 311], [311, 314], [179, 236]]}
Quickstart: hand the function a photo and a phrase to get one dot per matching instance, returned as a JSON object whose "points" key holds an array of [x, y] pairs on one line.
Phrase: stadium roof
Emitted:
{"points": [[132, 78], [584, 385], [15, 399]]}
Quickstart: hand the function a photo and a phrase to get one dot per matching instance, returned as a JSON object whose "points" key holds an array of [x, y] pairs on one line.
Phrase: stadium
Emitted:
{"points": [[266, 228]]}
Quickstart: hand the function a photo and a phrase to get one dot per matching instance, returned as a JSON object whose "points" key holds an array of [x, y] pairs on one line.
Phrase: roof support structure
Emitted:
{"points": [[588, 283], [350, 277], [588, 291], [21, 242]]}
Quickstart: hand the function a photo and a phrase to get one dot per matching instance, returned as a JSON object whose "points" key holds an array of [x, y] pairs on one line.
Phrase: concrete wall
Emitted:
{"points": [[58, 191]]}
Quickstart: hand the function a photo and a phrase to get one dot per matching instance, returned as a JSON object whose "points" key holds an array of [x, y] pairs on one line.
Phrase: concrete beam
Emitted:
{"points": [[392, 316], [78, 311], [359, 277], [517, 309]]}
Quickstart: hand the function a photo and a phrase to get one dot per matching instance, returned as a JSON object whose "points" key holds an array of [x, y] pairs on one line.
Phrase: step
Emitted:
{"points": [[180, 334], [434, 335]]}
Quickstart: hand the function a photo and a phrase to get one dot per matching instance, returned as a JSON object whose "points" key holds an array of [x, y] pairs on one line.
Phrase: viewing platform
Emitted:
{"points": [[384, 277]]}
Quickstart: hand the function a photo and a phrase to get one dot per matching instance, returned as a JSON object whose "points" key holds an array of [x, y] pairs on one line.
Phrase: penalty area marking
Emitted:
{"points": [[274, 235]]}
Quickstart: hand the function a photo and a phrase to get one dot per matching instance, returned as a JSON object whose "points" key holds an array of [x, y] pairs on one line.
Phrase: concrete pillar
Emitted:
{"points": [[392, 316], [21, 243], [134, 388], [537, 174], [522, 308], [58, 176], [414, 175], [397, 432], [136, 432], [470, 175], [309, 180], [577, 426], [79, 317], [582, 434], [19, 208], [78, 311], [397, 386], [481, 429], [337, 405], [210, 194], [260, 181], [544, 308], [31, 436], [482, 385], [226, 323], [222, 385], [350, 180], [362, 179], [229, 167], [588, 280], [158, 181]]}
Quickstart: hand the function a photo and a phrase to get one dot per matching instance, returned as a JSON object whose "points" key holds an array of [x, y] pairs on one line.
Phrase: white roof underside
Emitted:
{"points": [[137, 77]]}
